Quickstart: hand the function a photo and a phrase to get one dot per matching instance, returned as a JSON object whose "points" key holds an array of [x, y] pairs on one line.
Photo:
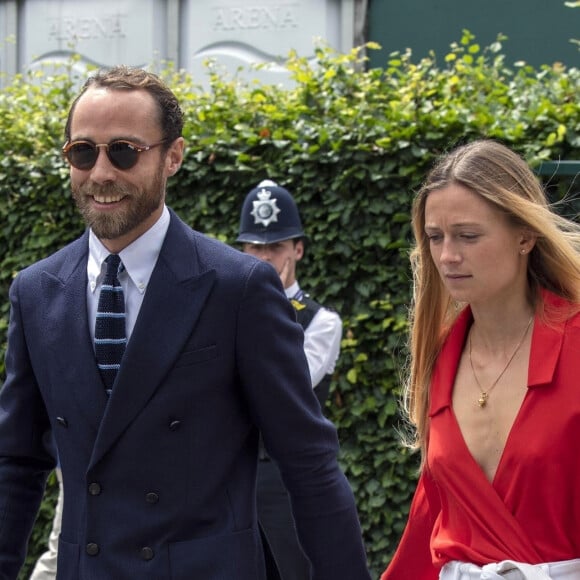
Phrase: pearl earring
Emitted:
{"points": [[523, 251]]}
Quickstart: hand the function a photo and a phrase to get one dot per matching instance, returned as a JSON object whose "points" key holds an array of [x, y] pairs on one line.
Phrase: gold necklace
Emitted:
{"points": [[482, 401]]}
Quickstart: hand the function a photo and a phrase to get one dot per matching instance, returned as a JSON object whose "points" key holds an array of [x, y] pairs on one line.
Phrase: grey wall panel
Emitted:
{"points": [[234, 33]]}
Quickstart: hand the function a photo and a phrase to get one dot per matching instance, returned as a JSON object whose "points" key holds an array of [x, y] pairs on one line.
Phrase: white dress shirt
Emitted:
{"points": [[139, 259], [321, 340]]}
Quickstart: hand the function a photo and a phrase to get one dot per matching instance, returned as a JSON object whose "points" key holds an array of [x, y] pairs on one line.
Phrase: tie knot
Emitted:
{"points": [[113, 261]]}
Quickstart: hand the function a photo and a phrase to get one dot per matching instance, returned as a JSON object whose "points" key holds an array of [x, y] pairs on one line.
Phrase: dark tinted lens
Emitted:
{"points": [[82, 155], [122, 154]]}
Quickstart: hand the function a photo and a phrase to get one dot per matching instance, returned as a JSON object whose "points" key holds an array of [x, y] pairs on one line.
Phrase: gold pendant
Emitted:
{"points": [[482, 400]]}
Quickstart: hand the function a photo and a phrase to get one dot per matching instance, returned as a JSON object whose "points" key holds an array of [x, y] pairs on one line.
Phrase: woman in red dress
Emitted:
{"points": [[493, 393]]}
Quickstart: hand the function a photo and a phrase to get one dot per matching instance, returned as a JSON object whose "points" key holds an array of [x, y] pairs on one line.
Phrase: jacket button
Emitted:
{"points": [[151, 497], [94, 489], [62, 421], [174, 425], [147, 553], [92, 549]]}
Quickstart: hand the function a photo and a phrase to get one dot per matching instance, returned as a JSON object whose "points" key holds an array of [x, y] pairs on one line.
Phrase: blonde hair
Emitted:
{"points": [[504, 179]]}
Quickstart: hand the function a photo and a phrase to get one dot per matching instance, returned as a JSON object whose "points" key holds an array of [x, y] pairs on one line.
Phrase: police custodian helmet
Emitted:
{"points": [[269, 215]]}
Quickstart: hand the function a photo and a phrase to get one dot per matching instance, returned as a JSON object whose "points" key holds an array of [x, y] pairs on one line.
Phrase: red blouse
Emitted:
{"points": [[531, 511]]}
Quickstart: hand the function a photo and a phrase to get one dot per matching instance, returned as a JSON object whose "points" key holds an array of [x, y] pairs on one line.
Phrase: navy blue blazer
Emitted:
{"points": [[159, 481]]}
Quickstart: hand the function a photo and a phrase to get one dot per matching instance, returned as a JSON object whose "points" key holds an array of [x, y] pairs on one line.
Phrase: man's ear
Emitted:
{"points": [[174, 156], [299, 250]]}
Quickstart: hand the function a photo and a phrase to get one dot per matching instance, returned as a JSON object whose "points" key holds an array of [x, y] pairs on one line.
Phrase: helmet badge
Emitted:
{"points": [[265, 209]]}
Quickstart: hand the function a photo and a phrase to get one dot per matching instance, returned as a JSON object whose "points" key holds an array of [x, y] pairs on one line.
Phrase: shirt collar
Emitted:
{"points": [[139, 257], [292, 290], [547, 340]]}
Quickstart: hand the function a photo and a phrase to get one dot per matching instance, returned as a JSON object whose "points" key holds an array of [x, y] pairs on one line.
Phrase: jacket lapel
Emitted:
{"points": [[173, 301], [73, 365]]}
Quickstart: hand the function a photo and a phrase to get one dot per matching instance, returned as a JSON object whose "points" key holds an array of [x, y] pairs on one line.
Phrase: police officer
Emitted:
{"points": [[271, 230]]}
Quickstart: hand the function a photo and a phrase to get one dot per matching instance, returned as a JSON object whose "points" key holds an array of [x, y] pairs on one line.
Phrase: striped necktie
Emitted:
{"points": [[110, 337]]}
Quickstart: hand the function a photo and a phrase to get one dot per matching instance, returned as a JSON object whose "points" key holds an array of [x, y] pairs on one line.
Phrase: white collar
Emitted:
{"points": [[292, 290], [139, 257]]}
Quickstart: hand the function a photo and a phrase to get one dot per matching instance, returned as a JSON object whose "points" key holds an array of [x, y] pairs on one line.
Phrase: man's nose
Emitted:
{"points": [[103, 170]]}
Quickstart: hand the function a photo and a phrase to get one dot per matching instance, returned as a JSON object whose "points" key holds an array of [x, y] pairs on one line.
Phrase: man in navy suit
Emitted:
{"points": [[159, 471]]}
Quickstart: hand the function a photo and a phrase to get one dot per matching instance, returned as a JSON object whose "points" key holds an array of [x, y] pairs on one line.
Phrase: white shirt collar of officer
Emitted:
{"points": [[293, 290]]}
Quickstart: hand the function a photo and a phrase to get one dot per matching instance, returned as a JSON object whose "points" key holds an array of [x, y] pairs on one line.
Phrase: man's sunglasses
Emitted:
{"points": [[122, 154]]}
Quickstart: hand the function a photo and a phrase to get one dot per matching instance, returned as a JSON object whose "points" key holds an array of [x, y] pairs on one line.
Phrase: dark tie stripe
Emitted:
{"points": [[110, 337]]}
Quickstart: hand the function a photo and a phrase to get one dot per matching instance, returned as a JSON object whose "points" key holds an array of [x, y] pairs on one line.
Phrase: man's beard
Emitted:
{"points": [[138, 206]]}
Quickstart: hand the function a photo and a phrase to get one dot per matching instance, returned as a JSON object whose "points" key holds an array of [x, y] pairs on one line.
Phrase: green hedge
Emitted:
{"points": [[352, 145]]}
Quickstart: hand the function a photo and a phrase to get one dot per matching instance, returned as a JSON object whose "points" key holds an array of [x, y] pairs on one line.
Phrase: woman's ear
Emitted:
{"points": [[527, 241]]}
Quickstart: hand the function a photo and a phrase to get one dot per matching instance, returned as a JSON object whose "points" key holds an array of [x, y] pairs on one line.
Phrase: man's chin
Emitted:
{"points": [[106, 229]]}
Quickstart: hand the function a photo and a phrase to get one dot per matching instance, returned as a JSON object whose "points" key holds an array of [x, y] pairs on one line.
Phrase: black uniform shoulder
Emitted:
{"points": [[306, 308]]}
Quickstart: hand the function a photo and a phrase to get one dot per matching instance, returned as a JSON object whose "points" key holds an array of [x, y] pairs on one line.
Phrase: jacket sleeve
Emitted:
{"points": [[276, 382], [412, 558], [25, 460]]}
